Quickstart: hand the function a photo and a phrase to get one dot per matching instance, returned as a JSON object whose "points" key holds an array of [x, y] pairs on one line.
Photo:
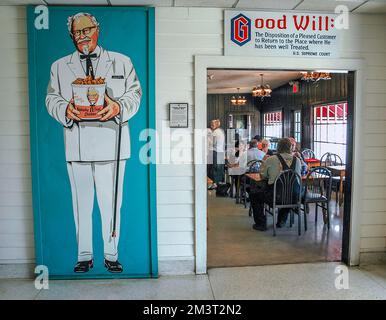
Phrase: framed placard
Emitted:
{"points": [[178, 115]]}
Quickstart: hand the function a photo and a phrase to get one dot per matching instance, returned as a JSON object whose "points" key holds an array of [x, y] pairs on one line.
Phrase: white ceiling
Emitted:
{"points": [[357, 6], [227, 81]]}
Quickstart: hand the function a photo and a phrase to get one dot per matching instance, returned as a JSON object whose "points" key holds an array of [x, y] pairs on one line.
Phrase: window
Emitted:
{"points": [[273, 127], [330, 128], [297, 126]]}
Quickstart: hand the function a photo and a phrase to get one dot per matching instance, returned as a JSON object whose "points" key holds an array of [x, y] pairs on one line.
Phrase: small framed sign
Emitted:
{"points": [[178, 115]]}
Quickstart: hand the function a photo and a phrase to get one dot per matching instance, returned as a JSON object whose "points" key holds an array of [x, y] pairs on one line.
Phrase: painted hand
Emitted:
{"points": [[71, 112], [110, 110]]}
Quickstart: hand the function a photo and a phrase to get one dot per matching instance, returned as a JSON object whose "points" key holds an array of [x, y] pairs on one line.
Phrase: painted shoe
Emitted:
{"points": [[83, 266], [113, 266]]}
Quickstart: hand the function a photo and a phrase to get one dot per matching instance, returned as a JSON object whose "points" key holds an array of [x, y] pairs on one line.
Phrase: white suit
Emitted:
{"points": [[91, 146]]}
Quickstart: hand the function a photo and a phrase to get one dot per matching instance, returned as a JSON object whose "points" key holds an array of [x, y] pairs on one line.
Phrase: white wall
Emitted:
{"points": [[16, 226], [181, 33]]}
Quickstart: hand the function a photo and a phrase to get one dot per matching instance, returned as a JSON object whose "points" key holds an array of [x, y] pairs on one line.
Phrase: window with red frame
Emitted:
{"points": [[330, 129], [273, 127]]}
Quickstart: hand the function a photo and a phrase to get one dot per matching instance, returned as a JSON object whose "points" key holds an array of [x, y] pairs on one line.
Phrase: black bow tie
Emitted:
{"points": [[85, 56]]}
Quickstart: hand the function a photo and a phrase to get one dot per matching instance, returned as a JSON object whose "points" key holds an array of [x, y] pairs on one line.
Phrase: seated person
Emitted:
{"points": [[253, 152], [258, 139], [237, 160], [297, 153], [237, 164], [265, 149], [269, 170]]}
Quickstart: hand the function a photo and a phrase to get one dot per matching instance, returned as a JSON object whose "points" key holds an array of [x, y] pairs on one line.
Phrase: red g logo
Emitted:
{"points": [[240, 29]]}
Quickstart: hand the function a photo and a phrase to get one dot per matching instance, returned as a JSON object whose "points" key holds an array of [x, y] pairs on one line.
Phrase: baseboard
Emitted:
{"points": [[367, 258], [26, 270], [17, 271], [175, 267]]}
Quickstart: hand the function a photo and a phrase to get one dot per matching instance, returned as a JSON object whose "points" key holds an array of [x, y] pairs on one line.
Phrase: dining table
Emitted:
{"points": [[312, 163], [341, 172], [236, 172], [257, 177]]}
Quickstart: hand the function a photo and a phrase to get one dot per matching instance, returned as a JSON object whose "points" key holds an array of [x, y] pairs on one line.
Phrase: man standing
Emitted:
{"points": [[216, 152], [96, 151]]}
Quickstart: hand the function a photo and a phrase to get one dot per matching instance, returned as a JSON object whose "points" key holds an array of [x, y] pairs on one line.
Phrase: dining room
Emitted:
{"points": [[255, 109]]}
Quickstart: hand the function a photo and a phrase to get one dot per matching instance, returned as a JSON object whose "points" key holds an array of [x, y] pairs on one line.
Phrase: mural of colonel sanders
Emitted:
{"points": [[96, 151]]}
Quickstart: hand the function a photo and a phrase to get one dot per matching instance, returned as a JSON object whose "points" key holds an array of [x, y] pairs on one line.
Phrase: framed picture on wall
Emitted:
{"points": [[178, 115]]}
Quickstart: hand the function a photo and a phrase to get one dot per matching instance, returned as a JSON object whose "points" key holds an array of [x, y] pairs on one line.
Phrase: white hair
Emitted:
{"points": [[71, 19]]}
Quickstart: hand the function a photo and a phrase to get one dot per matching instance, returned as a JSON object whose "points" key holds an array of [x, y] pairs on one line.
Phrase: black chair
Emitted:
{"points": [[286, 195], [253, 166], [332, 159], [308, 154], [318, 191]]}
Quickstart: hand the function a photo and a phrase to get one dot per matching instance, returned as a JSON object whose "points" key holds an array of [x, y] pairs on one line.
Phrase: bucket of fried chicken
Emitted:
{"points": [[89, 96]]}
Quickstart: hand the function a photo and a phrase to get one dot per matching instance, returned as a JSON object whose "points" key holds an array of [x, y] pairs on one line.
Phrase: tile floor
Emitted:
{"points": [[294, 281], [233, 243]]}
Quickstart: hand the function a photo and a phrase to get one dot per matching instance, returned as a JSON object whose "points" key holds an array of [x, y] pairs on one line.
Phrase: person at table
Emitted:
{"points": [[265, 149], [237, 159], [258, 138], [269, 170], [216, 153], [296, 153], [237, 163], [253, 152]]}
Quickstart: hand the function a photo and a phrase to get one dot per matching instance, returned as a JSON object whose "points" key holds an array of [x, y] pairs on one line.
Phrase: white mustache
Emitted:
{"points": [[84, 40]]}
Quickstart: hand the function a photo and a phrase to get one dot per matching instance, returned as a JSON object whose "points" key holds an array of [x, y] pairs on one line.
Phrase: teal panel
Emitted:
{"points": [[130, 32]]}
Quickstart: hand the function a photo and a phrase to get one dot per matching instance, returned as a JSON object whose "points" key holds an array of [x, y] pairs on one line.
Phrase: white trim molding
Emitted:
{"points": [[202, 63]]}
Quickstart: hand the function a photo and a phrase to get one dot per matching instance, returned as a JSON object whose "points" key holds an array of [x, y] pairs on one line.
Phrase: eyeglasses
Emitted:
{"points": [[86, 31]]}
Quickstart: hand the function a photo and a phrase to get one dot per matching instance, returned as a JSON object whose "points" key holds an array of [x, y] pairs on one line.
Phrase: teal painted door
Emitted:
{"points": [[74, 158]]}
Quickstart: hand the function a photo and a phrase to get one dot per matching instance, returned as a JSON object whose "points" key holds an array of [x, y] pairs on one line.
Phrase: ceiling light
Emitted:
{"points": [[239, 101], [262, 90], [314, 76]]}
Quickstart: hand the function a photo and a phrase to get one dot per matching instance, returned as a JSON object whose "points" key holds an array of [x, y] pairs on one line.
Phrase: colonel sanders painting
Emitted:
{"points": [[96, 150]]}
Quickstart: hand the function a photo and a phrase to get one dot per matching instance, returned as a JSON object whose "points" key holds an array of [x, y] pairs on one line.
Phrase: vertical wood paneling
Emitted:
{"points": [[219, 106]]}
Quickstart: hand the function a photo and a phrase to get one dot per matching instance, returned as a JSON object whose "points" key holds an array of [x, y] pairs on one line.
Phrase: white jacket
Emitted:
{"points": [[95, 140]]}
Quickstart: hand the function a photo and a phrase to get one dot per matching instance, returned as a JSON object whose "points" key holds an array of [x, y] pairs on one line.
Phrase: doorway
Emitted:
{"points": [[351, 235], [230, 215]]}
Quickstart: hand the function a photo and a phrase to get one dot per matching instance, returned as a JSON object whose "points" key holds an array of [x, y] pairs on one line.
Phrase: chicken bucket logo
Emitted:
{"points": [[240, 29]]}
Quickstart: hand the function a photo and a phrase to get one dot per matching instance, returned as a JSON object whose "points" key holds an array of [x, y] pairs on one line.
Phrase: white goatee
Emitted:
{"points": [[85, 49]]}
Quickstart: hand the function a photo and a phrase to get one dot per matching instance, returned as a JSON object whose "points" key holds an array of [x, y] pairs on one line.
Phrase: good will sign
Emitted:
{"points": [[254, 33]]}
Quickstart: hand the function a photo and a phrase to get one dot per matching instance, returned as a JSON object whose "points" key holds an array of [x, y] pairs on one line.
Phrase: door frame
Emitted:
{"points": [[204, 62]]}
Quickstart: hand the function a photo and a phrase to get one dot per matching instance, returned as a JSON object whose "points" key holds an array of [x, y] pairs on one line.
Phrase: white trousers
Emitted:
{"points": [[85, 177]]}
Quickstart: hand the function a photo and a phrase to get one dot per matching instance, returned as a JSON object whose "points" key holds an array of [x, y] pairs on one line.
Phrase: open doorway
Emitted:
{"points": [[319, 115]]}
